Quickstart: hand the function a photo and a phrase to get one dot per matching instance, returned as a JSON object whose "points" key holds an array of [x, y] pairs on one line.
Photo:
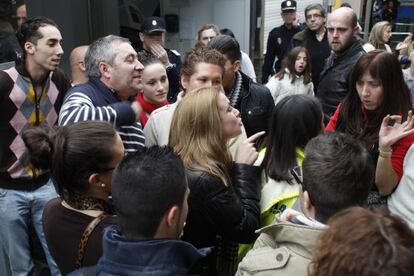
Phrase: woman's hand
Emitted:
{"points": [[246, 152], [389, 134]]}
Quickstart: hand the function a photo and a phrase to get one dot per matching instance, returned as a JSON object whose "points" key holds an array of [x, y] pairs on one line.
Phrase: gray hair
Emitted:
{"points": [[315, 7], [101, 50]]}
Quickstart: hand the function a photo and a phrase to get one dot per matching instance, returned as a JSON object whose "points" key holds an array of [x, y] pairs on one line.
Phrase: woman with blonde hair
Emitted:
{"points": [[224, 195], [379, 37]]}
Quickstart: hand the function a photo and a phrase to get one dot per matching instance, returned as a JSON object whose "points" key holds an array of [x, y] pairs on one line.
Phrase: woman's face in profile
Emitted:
{"points": [[370, 91], [230, 117]]}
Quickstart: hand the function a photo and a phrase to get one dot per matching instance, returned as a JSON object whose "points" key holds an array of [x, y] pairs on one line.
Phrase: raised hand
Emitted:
{"points": [[160, 53], [389, 134], [246, 152]]}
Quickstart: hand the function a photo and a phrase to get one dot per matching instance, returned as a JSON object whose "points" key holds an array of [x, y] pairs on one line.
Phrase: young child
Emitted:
{"points": [[294, 77], [154, 86]]}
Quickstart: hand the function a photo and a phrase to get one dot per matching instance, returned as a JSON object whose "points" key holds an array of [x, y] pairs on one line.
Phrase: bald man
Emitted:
{"points": [[77, 65], [342, 29]]}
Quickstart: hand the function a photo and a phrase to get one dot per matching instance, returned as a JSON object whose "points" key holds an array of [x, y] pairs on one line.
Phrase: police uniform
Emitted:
{"points": [[157, 24], [278, 44]]}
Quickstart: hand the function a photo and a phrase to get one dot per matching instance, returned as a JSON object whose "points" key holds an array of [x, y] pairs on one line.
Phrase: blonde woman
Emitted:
{"points": [[224, 195], [379, 37]]}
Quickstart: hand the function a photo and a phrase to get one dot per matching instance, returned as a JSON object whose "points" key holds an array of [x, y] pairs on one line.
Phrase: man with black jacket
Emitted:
{"points": [[253, 100], [346, 49], [315, 39], [279, 41]]}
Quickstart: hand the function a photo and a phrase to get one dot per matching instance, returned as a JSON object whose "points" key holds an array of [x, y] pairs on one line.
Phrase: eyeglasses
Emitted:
{"points": [[297, 174], [316, 16]]}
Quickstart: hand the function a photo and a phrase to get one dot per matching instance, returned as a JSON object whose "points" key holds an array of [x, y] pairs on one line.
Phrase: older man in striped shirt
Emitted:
{"points": [[114, 74]]}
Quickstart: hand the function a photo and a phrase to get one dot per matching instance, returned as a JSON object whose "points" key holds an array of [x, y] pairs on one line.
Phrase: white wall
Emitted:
{"points": [[232, 14]]}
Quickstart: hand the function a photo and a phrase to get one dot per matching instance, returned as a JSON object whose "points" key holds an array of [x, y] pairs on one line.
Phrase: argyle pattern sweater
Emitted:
{"points": [[20, 108]]}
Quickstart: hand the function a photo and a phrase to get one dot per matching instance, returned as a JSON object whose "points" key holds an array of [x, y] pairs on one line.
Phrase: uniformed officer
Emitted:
{"points": [[279, 40], [152, 37]]}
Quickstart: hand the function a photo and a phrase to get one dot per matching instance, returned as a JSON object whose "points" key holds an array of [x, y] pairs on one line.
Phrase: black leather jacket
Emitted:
{"points": [[256, 106], [333, 85], [232, 212]]}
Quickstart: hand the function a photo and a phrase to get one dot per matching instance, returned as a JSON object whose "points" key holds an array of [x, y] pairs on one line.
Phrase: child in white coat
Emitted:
{"points": [[294, 77]]}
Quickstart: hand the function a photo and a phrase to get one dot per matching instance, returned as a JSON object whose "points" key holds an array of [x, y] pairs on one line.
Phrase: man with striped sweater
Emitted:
{"points": [[114, 74]]}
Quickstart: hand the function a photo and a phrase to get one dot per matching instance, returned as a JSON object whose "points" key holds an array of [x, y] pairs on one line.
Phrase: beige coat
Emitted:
{"points": [[283, 248]]}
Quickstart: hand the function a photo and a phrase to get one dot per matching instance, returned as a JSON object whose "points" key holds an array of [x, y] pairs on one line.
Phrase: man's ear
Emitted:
{"points": [[356, 30], [104, 70], [141, 37], [173, 216], [29, 47], [184, 81], [236, 65], [81, 65], [308, 208]]}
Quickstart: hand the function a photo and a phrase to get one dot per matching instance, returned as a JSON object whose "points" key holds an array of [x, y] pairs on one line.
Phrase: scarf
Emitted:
{"points": [[234, 95], [147, 107], [84, 202]]}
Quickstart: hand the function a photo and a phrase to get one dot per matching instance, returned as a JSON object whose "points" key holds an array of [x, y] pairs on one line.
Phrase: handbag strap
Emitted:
{"points": [[85, 238]]}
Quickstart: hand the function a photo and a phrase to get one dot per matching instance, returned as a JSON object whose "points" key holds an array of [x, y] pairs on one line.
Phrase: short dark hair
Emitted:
{"points": [[71, 152], [226, 31], [29, 31], [338, 172], [315, 7], [144, 186], [295, 120], [226, 45]]}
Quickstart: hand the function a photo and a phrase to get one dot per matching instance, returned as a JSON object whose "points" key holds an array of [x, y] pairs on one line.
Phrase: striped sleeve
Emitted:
{"points": [[79, 107]]}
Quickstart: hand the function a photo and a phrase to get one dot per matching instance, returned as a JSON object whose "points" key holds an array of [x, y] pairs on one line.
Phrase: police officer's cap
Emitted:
{"points": [[153, 24], [289, 5]]}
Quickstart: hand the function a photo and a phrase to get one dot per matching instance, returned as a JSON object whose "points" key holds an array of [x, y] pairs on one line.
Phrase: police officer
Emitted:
{"points": [[152, 38], [279, 40]]}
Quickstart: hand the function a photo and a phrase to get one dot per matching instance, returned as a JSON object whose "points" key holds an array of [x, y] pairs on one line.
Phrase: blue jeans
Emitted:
{"points": [[17, 210]]}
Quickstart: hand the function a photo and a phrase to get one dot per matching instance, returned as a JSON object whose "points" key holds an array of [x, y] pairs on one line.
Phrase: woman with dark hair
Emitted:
{"points": [[154, 85], [377, 90], [295, 120], [294, 77], [365, 243], [224, 196], [81, 158]]}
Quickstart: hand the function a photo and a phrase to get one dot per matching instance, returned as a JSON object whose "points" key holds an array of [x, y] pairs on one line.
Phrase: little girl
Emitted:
{"points": [[294, 77], [154, 86]]}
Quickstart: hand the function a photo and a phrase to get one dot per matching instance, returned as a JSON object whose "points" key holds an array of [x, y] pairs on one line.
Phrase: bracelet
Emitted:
{"points": [[385, 153]]}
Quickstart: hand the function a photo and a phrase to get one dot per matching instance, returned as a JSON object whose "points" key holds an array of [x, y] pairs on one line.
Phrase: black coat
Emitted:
{"points": [[334, 79], [278, 45], [232, 212], [256, 106]]}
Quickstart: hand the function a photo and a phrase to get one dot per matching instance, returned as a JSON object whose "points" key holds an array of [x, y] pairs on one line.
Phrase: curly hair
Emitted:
{"points": [[363, 242]]}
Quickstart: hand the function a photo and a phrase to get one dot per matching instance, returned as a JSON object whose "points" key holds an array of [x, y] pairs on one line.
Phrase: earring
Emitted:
{"points": [[103, 185]]}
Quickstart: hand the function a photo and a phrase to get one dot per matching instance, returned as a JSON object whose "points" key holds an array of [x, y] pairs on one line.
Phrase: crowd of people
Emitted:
{"points": [[147, 163]]}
